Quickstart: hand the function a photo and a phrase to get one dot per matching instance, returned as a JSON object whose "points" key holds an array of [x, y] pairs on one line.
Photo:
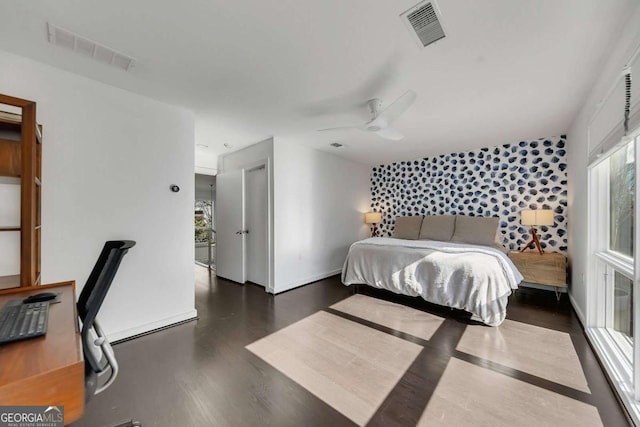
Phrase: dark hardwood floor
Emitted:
{"points": [[200, 374]]}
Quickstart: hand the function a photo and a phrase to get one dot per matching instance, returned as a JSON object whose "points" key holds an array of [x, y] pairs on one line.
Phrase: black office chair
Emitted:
{"points": [[98, 354]]}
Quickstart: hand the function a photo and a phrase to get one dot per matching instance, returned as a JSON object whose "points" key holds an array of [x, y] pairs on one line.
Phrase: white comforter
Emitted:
{"points": [[478, 279]]}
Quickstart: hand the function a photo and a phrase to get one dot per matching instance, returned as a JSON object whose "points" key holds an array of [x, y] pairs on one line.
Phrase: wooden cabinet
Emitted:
{"points": [[547, 269], [21, 167]]}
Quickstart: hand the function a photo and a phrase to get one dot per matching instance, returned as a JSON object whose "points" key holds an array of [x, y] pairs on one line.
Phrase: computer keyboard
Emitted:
{"points": [[20, 321]]}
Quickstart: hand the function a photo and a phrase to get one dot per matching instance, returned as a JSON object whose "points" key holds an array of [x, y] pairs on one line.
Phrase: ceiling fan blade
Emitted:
{"points": [[390, 133], [338, 128], [398, 107]]}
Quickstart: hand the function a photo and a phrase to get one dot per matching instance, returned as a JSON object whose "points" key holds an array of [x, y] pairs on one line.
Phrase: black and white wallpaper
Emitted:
{"points": [[498, 181]]}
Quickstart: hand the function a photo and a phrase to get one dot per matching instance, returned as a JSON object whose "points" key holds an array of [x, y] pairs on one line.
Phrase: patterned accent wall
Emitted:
{"points": [[498, 181]]}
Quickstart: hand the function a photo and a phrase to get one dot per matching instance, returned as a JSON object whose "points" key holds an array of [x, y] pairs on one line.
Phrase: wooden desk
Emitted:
{"points": [[47, 370]]}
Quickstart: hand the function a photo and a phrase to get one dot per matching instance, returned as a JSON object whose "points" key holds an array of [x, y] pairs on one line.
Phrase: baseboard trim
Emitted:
{"points": [[307, 281], [152, 327], [577, 309]]}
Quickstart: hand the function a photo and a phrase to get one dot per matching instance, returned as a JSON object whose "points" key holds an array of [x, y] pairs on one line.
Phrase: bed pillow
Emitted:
{"points": [[438, 227], [407, 227], [475, 230]]}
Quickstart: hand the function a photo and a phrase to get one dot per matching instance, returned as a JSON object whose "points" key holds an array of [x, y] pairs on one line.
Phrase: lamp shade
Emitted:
{"points": [[537, 217], [372, 217]]}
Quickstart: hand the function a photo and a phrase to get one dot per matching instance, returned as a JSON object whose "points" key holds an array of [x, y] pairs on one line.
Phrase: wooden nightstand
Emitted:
{"points": [[548, 269]]}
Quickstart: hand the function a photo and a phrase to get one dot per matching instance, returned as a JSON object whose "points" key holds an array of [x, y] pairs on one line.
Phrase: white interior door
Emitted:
{"points": [[230, 232], [257, 218]]}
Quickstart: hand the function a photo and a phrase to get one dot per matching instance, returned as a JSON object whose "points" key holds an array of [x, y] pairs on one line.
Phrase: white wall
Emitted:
{"points": [[109, 157], [628, 41], [319, 201], [316, 208]]}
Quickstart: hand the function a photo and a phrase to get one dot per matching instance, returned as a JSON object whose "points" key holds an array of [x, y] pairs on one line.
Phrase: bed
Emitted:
{"points": [[472, 277]]}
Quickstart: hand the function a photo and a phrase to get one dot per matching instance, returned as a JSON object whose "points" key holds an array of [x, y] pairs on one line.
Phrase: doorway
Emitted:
{"points": [[204, 221]]}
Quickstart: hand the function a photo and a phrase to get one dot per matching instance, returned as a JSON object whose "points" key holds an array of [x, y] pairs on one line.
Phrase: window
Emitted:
{"points": [[612, 217], [622, 200], [613, 228], [612, 278]]}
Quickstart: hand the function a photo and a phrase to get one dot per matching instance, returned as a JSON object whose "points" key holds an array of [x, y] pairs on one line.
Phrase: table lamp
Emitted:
{"points": [[535, 217], [373, 218]]}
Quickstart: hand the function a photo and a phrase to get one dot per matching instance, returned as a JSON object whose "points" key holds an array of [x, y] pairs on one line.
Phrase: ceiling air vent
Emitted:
{"points": [[423, 22], [89, 48]]}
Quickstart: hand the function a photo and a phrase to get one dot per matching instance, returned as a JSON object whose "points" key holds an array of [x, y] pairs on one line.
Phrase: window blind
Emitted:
{"points": [[618, 111]]}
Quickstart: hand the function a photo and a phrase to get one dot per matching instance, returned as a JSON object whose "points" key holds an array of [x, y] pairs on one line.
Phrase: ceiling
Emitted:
{"points": [[507, 70]]}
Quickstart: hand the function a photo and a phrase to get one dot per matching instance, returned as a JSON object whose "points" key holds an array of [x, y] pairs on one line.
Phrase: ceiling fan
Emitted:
{"points": [[380, 121]]}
